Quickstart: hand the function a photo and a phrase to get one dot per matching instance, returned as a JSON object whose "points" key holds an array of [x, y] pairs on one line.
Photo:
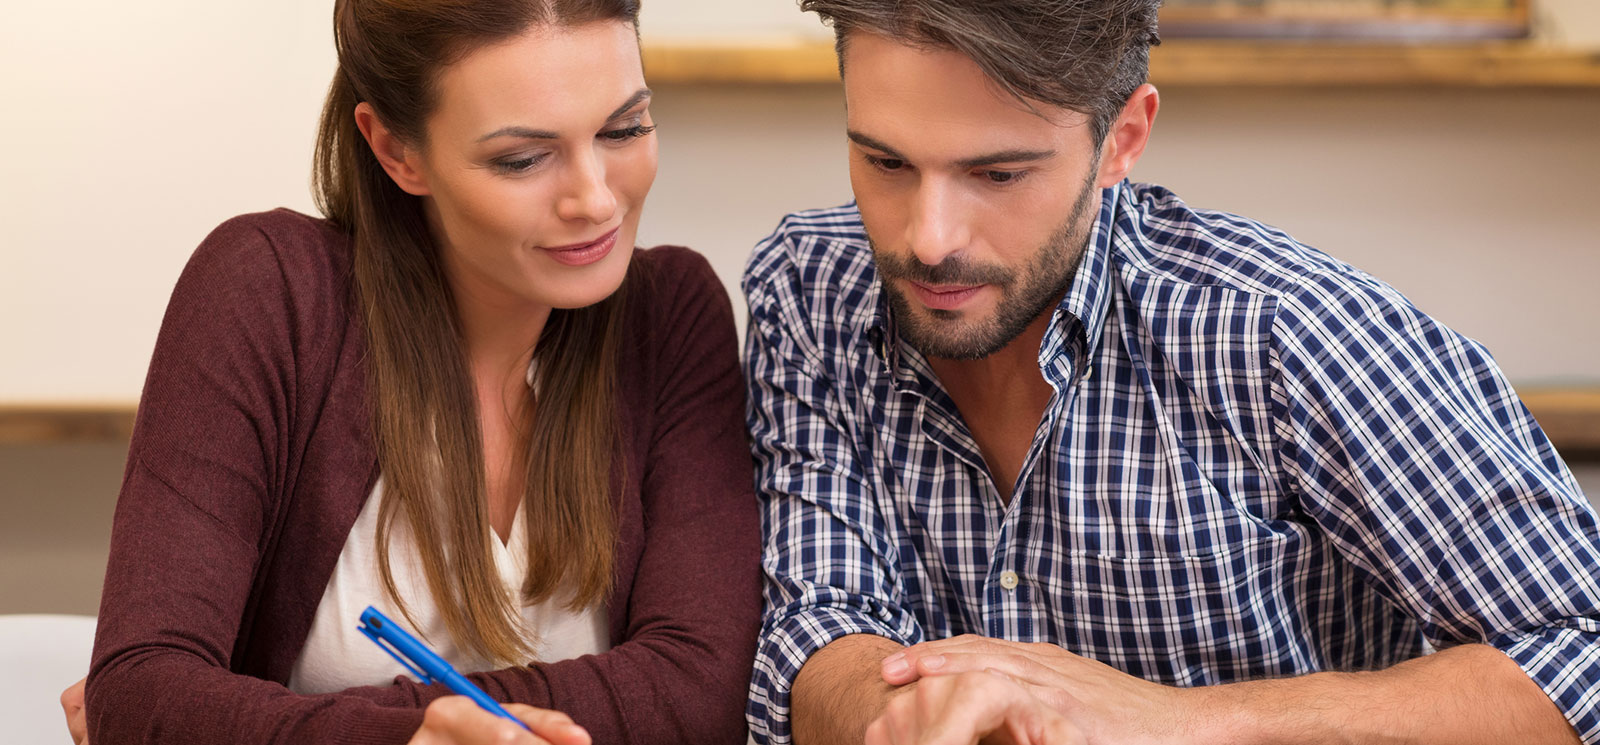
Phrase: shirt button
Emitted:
{"points": [[1008, 580]]}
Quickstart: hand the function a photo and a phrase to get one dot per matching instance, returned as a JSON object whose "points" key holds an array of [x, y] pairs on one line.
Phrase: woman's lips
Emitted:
{"points": [[948, 297], [579, 254]]}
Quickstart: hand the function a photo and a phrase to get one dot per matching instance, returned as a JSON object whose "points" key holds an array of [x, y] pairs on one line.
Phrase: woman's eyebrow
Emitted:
{"points": [[528, 133], [633, 100]]}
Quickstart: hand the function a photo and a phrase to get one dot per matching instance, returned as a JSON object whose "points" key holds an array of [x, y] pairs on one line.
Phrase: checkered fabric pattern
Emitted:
{"points": [[1257, 462]]}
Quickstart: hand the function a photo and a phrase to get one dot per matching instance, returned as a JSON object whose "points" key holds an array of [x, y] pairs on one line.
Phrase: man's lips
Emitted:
{"points": [[944, 297]]}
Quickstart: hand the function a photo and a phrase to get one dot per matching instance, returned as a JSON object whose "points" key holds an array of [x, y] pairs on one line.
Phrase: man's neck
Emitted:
{"points": [[1001, 398], [1016, 361]]}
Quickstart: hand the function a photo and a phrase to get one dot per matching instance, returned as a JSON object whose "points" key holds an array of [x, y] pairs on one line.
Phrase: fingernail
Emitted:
{"points": [[895, 665], [933, 663]]}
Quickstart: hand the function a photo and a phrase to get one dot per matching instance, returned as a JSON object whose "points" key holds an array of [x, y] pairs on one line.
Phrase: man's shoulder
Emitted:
{"points": [[817, 263], [1162, 241]]}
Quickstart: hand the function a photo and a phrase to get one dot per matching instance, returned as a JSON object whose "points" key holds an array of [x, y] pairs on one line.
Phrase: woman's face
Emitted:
{"points": [[538, 158]]}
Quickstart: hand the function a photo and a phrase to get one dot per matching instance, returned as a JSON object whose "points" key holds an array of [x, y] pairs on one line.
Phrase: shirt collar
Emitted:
{"points": [[1080, 318], [1075, 325]]}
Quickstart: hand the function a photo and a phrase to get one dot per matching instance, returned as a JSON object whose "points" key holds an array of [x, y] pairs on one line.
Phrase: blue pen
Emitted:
{"points": [[427, 666]]}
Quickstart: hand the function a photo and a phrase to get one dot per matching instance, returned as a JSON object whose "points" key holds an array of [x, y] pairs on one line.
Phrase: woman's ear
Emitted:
{"points": [[402, 162], [1129, 134]]}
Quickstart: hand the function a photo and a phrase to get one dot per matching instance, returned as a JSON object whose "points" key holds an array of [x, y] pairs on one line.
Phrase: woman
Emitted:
{"points": [[463, 398]]}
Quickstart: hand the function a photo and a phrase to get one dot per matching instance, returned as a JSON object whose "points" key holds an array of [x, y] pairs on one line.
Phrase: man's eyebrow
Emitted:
{"points": [[529, 133], [865, 141], [1004, 156]]}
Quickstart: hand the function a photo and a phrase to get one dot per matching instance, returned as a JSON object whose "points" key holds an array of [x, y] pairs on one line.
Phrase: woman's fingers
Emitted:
{"points": [[456, 720], [551, 725], [72, 706]]}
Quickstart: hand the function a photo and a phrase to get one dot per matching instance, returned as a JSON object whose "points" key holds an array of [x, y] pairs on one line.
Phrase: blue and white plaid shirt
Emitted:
{"points": [[1258, 462]]}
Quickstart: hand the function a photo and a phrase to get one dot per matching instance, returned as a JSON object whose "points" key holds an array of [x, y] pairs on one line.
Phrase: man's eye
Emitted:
{"points": [[1002, 177], [887, 164]]}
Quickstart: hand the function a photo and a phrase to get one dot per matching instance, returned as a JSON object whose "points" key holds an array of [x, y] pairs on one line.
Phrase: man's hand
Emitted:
{"points": [[456, 720], [1472, 693], [1105, 704], [72, 706], [967, 708]]}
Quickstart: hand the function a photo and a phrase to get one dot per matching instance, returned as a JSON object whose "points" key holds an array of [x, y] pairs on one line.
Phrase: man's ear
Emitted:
{"points": [[1129, 134], [401, 162]]}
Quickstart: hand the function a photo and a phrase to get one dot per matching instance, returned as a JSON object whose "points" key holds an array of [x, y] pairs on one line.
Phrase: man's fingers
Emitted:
{"points": [[1021, 667], [962, 709], [907, 665], [878, 733]]}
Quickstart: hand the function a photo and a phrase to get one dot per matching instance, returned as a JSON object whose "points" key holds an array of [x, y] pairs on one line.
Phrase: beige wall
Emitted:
{"points": [[135, 131], [132, 133]]}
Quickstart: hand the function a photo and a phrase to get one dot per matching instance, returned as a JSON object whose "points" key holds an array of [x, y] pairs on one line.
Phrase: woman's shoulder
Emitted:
{"points": [[675, 264], [280, 259], [677, 307], [673, 279], [267, 275], [283, 242]]}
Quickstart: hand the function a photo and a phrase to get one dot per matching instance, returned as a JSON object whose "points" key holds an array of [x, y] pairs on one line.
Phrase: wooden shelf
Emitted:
{"points": [[768, 63], [26, 423], [1569, 416], [1191, 64]]}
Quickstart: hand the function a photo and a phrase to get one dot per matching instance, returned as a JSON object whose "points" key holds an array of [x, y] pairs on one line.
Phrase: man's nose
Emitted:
{"points": [[938, 225]]}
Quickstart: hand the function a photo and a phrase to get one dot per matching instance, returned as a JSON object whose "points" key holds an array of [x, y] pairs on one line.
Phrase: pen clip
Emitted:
{"points": [[393, 652]]}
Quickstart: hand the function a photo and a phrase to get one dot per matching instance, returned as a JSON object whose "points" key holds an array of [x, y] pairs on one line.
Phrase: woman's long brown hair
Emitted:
{"points": [[423, 408]]}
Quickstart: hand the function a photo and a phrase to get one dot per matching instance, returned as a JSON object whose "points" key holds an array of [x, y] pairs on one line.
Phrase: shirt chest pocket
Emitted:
{"points": [[1185, 619]]}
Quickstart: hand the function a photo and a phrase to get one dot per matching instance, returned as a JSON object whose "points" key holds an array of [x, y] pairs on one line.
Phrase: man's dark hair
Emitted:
{"points": [[1082, 55]]}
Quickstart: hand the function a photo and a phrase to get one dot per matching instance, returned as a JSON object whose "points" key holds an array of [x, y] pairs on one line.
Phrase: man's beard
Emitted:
{"points": [[1023, 297]]}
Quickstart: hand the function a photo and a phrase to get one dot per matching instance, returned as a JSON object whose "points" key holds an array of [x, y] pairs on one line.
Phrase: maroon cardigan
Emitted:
{"points": [[252, 457]]}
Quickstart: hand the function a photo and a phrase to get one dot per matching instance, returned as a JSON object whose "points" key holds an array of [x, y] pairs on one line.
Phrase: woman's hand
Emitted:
{"points": [[456, 720], [72, 706]]}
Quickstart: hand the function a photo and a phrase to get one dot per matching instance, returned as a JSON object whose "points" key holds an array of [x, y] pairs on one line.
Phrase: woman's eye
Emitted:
{"points": [[518, 165], [627, 133]]}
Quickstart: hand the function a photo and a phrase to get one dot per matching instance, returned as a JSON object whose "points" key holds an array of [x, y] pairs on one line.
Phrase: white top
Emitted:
{"points": [[337, 656]]}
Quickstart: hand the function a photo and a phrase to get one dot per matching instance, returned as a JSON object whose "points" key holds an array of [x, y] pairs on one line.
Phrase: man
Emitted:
{"points": [[1048, 456]]}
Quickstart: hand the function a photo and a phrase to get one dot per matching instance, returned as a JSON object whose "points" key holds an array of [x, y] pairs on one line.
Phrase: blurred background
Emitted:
{"points": [[1450, 147]]}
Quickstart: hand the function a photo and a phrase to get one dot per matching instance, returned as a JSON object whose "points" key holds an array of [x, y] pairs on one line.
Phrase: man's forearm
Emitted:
{"points": [[840, 690], [1464, 695]]}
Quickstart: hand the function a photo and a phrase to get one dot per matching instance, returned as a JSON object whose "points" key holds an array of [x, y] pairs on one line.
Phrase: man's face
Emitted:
{"points": [[977, 208]]}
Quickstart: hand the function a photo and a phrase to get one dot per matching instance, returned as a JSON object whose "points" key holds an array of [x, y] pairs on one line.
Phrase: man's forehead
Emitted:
{"points": [[895, 89]]}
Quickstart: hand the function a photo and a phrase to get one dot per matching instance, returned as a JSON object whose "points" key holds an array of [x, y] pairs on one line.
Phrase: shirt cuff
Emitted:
{"points": [[1565, 661], [787, 643]]}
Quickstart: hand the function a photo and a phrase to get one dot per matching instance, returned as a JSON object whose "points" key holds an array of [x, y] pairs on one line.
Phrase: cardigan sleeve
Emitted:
{"points": [[693, 612], [209, 452]]}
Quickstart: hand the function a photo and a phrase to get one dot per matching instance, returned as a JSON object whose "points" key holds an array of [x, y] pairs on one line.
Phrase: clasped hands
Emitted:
{"points": [[972, 689]]}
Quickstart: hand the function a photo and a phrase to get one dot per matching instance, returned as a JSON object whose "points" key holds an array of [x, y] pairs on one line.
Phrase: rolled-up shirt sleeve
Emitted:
{"points": [[828, 554], [1410, 448]]}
